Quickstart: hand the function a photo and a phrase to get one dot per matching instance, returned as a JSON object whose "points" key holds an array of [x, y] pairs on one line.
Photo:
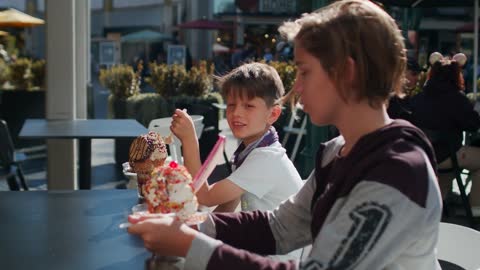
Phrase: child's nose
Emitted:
{"points": [[237, 110]]}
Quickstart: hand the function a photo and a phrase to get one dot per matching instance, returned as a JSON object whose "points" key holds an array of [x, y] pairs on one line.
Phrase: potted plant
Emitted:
{"points": [[178, 88], [166, 79], [20, 74], [4, 73], [38, 74], [123, 83], [198, 81], [15, 88], [145, 107], [287, 72]]}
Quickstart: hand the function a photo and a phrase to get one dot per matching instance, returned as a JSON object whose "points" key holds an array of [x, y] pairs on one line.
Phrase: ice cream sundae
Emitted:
{"points": [[147, 152], [169, 190]]}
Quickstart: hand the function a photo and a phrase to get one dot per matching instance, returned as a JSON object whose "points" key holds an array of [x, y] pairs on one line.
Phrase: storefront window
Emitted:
{"points": [[224, 6]]}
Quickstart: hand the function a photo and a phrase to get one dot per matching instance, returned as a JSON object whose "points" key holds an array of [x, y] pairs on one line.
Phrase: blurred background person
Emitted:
{"points": [[443, 106], [267, 56], [399, 105]]}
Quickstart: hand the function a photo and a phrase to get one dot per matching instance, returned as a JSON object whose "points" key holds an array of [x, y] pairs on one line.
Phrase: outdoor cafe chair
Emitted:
{"points": [[10, 160], [162, 126], [290, 129], [9, 174], [447, 138], [458, 247]]}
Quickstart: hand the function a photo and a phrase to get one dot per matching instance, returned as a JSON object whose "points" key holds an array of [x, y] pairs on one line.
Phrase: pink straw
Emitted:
{"points": [[214, 157]]}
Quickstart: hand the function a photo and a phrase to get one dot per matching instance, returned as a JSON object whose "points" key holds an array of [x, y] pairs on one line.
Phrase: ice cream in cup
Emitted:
{"points": [[147, 152]]}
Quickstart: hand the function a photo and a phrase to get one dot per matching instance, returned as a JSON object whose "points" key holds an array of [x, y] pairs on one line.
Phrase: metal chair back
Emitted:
{"points": [[6, 146], [7, 159], [448, 138], [162, 126]]}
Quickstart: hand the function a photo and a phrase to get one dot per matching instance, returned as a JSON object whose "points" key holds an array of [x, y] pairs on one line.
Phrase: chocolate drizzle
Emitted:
{"points": [[143, 146]]}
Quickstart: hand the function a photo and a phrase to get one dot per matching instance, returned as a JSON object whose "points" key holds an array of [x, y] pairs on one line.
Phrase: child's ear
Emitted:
{"points": [[275, 114], [350, 73]]}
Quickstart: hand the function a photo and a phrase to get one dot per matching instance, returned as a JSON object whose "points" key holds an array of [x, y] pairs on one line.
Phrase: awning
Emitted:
{"points": [[14, 18], [145, 36]]}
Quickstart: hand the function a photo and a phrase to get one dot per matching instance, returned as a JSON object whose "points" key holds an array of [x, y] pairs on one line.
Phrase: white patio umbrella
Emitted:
{"points": [[14, 18]]}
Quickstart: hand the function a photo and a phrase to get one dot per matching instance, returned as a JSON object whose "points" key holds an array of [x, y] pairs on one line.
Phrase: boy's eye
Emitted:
{"points": [[250, 106]]}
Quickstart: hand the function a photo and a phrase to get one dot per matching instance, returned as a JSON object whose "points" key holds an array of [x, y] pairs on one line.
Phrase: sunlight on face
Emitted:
{"points": [[318, 94], [248, 119]]}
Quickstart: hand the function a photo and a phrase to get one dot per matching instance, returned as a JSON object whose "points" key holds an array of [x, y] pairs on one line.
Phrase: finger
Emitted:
{"points": [[178, 113], [134, 219], [136, 229], [141, 225], [141, 216], [181, 113]]}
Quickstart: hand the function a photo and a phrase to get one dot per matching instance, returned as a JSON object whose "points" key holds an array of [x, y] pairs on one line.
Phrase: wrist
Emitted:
{"points": [[190, 141], [186, 240]]}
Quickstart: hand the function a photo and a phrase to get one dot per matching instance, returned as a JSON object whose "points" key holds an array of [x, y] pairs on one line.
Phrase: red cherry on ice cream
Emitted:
{"points": [[173, 164]]}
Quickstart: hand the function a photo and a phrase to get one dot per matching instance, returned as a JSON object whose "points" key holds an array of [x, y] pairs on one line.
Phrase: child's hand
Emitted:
{"points": [[182, 126], [164, 235], [141, 216]]}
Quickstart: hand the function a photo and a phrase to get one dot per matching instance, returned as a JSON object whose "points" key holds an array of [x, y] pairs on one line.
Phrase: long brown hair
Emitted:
{"points": [[359, 30]]}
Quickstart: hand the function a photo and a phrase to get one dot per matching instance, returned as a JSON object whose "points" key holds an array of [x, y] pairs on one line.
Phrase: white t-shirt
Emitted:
{"points": [[268, 176]]}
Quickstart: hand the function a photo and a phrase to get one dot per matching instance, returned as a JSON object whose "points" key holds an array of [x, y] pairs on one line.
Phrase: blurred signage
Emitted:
{"points": [[277, 6], [176, 54], [107, 53]]}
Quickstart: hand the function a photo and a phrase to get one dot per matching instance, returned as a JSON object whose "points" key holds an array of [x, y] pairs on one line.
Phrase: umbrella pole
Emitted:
{"points": [[475, 47], [234, 34], [147, 52]]}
